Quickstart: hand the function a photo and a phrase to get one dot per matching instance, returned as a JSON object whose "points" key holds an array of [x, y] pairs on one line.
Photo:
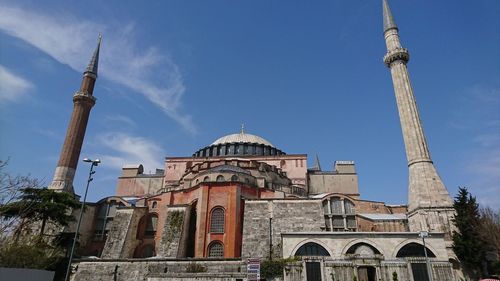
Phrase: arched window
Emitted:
{"points": [[216, 250], [217, 220], [312, 249], [220, 178], [234, 178], [363, 250], [418, 265], [151, 223], [207, 178], [414, 250], [154, 205]]}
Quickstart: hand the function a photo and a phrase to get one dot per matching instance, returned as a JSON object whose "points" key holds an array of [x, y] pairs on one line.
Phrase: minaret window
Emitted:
{"points": [[217, 220]]}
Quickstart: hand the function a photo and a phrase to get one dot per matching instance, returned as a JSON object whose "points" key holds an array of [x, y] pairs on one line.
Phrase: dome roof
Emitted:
{"points": [[241, 138]]}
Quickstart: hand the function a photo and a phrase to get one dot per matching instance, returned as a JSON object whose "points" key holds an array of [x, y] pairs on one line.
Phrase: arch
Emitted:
{"points": [[363, 249], [147, 226], [154, 205], [312, 249], [234, 178], [408, 241], [216, 250], [220, 178], [413, 249], [207, 178], [356, 242], [217, 218]]}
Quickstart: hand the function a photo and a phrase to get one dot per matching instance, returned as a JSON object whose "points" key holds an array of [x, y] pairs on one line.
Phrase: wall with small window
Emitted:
{"points": [[339, 213]]}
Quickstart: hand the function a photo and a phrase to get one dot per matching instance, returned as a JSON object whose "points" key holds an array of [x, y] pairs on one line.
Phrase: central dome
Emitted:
{"points": [[239, 145], [241, 138]]}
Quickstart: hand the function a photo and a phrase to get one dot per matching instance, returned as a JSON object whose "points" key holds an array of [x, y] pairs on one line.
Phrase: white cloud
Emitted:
{"points": [[120, 119], [12, 87], [71, 40], [128, 149]]}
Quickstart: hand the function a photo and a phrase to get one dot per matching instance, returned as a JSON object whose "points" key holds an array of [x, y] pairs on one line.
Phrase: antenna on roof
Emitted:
{"points": [[242, 128]]}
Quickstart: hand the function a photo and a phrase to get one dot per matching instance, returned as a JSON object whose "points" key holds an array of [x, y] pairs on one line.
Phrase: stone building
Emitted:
{"points": [[201, 217]]}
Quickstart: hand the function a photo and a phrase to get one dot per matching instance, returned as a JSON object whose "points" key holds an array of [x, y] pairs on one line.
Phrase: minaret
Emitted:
{"points": [[83, 100], [430, 207]]}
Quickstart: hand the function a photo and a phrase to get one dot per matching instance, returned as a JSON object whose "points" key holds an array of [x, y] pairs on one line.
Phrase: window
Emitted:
{"points": [[311, 249], [151, 223], [154, 205], [340, 214], [206, 178], [216, 250], [217, 220], [234, 178], [363, 250], [105, 215], [414, 250], [220, 178]]}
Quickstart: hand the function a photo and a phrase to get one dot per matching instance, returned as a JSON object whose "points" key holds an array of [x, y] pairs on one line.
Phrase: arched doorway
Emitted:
{"points": [[415, 254], [313, 268]]}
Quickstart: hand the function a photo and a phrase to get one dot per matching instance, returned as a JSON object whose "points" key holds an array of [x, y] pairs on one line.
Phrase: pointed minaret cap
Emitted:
{"points": [[94, 61], [388, 19]]}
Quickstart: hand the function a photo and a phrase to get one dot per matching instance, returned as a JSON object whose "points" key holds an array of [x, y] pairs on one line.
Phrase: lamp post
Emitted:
{"points": [[91, 172], [425, 234]]}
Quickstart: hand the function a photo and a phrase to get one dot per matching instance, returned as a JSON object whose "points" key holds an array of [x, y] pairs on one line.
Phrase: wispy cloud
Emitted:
{"points": [[480, 108], [119, 119], [71, 40], [12, 86], [128, 149]]}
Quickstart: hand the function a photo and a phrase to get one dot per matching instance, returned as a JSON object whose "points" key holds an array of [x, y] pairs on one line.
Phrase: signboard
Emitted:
{"points": [[253, 269]]}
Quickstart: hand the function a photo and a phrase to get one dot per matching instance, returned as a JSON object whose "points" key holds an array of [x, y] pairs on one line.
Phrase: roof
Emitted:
{"points": [[229, 168], [384, 216], [241, 138]]}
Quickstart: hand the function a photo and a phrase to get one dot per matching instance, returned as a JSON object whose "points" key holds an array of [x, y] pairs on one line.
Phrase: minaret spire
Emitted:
{"points": [[94, 61], [388, 19], [83, 101], [428, 199]]}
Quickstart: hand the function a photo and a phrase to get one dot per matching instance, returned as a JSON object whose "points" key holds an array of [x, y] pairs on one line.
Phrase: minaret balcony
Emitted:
{"points": [[81, 96], [398, 54]]}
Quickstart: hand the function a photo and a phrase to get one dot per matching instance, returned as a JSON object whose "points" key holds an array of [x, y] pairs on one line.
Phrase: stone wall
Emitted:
{"points": [[172, 232], [121, 241], [158, 269], [287, 216]]}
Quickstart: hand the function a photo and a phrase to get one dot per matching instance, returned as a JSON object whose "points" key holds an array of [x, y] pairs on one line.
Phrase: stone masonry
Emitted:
{"points": [[287, 216]]}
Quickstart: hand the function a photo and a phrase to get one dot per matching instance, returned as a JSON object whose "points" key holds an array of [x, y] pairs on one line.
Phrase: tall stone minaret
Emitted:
{"points": [[83, 100], [430, 207]]}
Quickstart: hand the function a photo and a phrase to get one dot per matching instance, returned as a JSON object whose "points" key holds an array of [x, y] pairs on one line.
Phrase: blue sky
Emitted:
{"points": [[308, 76]]}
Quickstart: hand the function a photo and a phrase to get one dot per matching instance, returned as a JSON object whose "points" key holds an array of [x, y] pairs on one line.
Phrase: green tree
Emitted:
{"points": [[467, 244], [40, 205]]}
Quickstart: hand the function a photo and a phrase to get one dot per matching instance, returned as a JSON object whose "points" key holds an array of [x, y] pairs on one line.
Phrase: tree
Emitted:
{"points": [[41, 204], [489, 233], [10, 189], [467, 245]]}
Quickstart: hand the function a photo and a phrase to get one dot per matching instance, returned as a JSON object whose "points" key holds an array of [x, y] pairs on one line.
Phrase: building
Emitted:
{"points": [[202, 216]]}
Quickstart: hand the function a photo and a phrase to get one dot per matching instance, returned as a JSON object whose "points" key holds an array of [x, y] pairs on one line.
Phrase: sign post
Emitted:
{"points": [[253, 269]]}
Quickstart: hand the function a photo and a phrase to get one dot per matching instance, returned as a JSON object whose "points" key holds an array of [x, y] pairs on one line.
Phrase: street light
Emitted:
{"points": [[91, 172], [425, 234]]}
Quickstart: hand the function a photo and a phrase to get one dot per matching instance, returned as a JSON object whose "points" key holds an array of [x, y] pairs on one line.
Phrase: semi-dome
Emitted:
{"points": [[242, 138], [241, 144]]}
